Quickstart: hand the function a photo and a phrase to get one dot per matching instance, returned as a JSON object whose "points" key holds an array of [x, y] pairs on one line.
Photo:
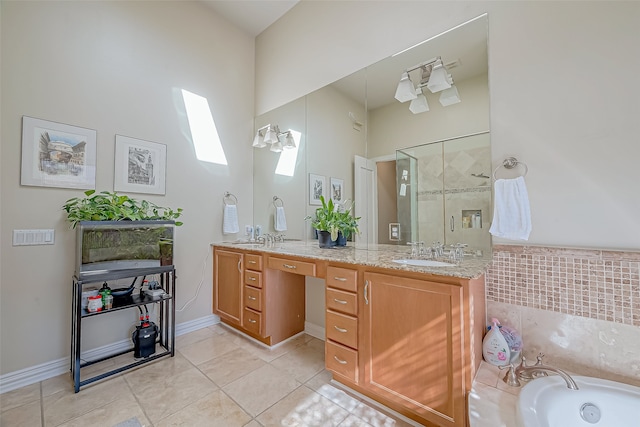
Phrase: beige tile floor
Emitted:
{"points": [[217, 378]]}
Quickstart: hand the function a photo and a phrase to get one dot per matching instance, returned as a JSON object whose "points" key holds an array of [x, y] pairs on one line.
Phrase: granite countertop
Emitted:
{"points": [[374, 255]]}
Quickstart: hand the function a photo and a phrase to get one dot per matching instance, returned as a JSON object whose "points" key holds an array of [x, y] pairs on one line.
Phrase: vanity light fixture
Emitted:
{"points": [[270, 134], [435, 77], [405, 91], [419, 105], [449, 96]]}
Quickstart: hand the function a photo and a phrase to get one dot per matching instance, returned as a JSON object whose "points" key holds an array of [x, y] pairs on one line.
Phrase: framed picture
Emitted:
{"points": [[337, 190], [317, 184], [140, 166], [57, 155]]}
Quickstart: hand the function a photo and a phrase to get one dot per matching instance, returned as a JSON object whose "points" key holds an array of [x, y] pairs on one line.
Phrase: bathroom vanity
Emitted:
{"points": [[408, 337]]}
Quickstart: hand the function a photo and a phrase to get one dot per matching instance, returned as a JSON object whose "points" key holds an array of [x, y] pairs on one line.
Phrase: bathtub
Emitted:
{"points": [[547, 402]]}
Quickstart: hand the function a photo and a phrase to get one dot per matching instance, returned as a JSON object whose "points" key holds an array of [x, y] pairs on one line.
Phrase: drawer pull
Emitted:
{"points": [[340, 279], [252, 321], [291, 267], [340, 301], [340, 361], [252, 262], [253, 279], [251, 298], [340, 329]]}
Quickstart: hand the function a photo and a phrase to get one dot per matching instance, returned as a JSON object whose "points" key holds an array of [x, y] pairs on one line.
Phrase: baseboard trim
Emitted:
{"points": [[44, 371], [314, 330]]}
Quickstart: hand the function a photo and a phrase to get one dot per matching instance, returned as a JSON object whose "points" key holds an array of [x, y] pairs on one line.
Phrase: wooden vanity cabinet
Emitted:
{"points": [[227, 285], [266, 303], [420, 344], [341, 322]]}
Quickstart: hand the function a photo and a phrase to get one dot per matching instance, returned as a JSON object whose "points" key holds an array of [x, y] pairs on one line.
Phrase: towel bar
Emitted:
{"points": [[228, 197], [510, 163]]}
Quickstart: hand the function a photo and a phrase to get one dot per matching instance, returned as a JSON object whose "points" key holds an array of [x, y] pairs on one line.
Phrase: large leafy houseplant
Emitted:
{"points": [[330, 218], [326, 218], [347, 223], [107, 206]]}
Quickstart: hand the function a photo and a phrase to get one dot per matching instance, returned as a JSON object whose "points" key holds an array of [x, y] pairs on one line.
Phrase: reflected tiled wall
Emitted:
{"points": [[580, 307]]}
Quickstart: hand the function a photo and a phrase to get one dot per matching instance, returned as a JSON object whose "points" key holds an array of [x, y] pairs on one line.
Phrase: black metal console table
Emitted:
{"points": [[166, 318]]}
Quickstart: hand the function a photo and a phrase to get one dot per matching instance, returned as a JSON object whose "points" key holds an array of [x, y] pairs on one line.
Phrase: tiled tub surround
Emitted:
{"points": [[580, 307]]}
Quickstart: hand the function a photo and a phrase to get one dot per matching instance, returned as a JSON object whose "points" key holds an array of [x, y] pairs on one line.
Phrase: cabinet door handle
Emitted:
{"points": [[253, 279], [291, 267], [366, 289], [252, 321], [340, 361], [340, 301], [340, 279], [452, 223], [251, 298], [340, 329], [240, 266]]}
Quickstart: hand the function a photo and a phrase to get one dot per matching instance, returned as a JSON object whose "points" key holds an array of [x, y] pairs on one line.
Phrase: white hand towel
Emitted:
{"points": [[279, 219], [511, 214], [230, 219]]}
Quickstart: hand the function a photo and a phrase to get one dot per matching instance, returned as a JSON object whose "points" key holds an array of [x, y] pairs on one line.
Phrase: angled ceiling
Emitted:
{"points": [[252, 16]]}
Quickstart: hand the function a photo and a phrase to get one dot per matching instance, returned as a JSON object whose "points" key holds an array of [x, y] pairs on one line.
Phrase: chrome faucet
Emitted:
{"points": [[525, 372]]}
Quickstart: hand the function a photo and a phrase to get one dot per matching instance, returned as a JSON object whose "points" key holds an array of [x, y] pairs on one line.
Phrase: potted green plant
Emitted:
{"points": [[326, 223], [347, 224], [115, 229]]}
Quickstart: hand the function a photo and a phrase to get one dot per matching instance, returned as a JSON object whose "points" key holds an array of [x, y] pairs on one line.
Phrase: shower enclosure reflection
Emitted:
{"points": [[444, 191]]}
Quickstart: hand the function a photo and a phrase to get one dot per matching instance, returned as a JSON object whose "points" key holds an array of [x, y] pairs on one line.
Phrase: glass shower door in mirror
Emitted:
{"points": [[467, 191]]}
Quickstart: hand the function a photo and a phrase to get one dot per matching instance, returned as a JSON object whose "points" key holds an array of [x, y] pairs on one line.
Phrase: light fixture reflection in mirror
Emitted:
{"points": [[288, 158]]}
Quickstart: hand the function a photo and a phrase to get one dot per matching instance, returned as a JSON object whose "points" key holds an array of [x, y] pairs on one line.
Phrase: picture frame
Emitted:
{"points": [[336, 189], [140, 166], [317, 188], [57, 155]]}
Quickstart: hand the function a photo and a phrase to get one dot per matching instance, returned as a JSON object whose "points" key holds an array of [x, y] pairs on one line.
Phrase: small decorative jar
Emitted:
{"points": [[94, 303]]}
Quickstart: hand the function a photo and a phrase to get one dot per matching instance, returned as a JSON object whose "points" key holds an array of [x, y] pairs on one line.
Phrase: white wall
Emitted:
{"points": [[562, 89], [115, 67]]}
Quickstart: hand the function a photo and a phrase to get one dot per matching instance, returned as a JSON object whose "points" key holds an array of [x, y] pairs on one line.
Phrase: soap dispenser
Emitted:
{"points": [[495, 349]]}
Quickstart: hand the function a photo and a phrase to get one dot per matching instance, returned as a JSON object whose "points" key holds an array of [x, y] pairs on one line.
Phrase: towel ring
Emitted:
{"points": [[510, 163], [229, 197], [275, 202]]}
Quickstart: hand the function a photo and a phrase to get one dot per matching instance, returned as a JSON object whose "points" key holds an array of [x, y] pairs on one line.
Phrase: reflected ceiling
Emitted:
{"points": [[465, 46]]}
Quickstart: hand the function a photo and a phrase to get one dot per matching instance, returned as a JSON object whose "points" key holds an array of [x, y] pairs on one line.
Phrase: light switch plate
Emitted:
{"points": [[33, 237]]}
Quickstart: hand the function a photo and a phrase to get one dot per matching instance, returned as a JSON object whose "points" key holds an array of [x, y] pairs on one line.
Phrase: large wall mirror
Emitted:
{"points": [[357, 119]]}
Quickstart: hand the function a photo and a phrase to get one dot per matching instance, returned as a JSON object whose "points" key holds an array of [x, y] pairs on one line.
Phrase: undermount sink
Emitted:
{"points": [[423, 263]]}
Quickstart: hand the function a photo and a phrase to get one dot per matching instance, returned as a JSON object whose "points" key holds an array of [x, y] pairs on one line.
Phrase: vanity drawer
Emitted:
{"points": [[345, 302], [254, 262], [342, 329], [293, 266], [253, 278], [252, 321], [342, 278], [341, 360], [253, 298]]}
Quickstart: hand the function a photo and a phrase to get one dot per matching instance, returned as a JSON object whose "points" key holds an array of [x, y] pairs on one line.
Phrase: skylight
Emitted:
{"points": [[288, 157], [204, 134]]}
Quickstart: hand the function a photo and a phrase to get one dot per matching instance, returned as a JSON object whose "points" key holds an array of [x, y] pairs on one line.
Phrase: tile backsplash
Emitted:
{"points": [[598, 284], [579, 307]]}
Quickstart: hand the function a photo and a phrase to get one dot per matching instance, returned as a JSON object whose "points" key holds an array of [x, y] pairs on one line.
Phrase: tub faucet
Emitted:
{"points": [[525, 372]]}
